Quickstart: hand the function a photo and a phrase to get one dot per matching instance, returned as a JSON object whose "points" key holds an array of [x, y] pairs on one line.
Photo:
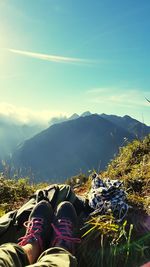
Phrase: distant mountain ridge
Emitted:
{"points": [[13, 133], [81, 144], [72, 117], [132, 125]]}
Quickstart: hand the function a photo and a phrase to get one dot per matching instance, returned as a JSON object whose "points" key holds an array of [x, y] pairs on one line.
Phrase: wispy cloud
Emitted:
{"points": [[124, 97], [52, 58], [98, 90], [12, 113]]}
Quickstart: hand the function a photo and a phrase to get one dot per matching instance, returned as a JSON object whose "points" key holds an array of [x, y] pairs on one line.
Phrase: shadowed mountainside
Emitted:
{"points": [[115, 244], [72, 146], [13, 133]]}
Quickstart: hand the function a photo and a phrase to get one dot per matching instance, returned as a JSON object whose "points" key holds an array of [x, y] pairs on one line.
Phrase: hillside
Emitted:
{"points": [[65, 149], [125, 244], [131, 125], [12, 134], [128, 243], [132, 165]]}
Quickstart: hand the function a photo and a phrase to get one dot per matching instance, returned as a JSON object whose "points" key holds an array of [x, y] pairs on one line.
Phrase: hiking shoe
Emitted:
{"points": [[65, 223], [38, 226]]}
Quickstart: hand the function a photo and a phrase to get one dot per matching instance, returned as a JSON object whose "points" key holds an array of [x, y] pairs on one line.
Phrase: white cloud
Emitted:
{"points": [[98, 90], [52, 58], [12, 113], [117, 96]]}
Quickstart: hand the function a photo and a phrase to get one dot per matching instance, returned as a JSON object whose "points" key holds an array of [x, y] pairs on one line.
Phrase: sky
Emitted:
{"points": [[59, 57]]}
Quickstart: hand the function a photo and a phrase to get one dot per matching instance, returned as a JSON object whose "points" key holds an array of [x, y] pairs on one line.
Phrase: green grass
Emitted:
{"points": [[107, 243], [132, 165], [14, 193], [104, 241]]}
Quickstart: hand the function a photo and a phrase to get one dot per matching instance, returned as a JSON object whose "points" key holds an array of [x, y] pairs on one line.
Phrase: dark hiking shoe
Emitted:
{"points": [[65, 223], [38, 226]]}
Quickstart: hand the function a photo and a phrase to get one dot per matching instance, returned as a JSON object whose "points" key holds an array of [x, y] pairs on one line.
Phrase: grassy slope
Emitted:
{"points": [[128, 243], [107, 243], [15, 193], [132, 165]]}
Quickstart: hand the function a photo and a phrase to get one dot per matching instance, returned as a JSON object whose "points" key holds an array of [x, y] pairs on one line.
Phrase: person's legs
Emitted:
{"points": [[57, 257], [35, 241], [37, 238], [63, 241], [12, 255]]}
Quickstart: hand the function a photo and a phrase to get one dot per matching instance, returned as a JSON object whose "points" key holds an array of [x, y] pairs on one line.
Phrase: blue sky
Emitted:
{"points": [[62, 56]]}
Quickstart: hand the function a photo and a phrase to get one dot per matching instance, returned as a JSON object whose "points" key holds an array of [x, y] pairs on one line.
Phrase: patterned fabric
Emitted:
{"points": [[107, 196]]}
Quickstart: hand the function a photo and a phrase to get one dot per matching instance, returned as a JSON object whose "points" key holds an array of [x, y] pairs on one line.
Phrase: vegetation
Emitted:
{"points": [[128, 243], [132, 165], [107, 242], [77, 180], [132, 162], [14, 193]]}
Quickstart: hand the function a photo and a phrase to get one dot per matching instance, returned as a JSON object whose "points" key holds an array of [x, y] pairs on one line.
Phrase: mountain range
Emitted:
{"points": [[12, 134], [78, 144]]}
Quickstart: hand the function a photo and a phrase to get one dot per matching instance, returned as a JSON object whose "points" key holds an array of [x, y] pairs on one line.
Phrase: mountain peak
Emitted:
{"points": [[86, 113], [74, 116]]}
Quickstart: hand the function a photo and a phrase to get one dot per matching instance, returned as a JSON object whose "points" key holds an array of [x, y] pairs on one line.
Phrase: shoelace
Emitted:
{"points": [[34, 228], [64, 232]]}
